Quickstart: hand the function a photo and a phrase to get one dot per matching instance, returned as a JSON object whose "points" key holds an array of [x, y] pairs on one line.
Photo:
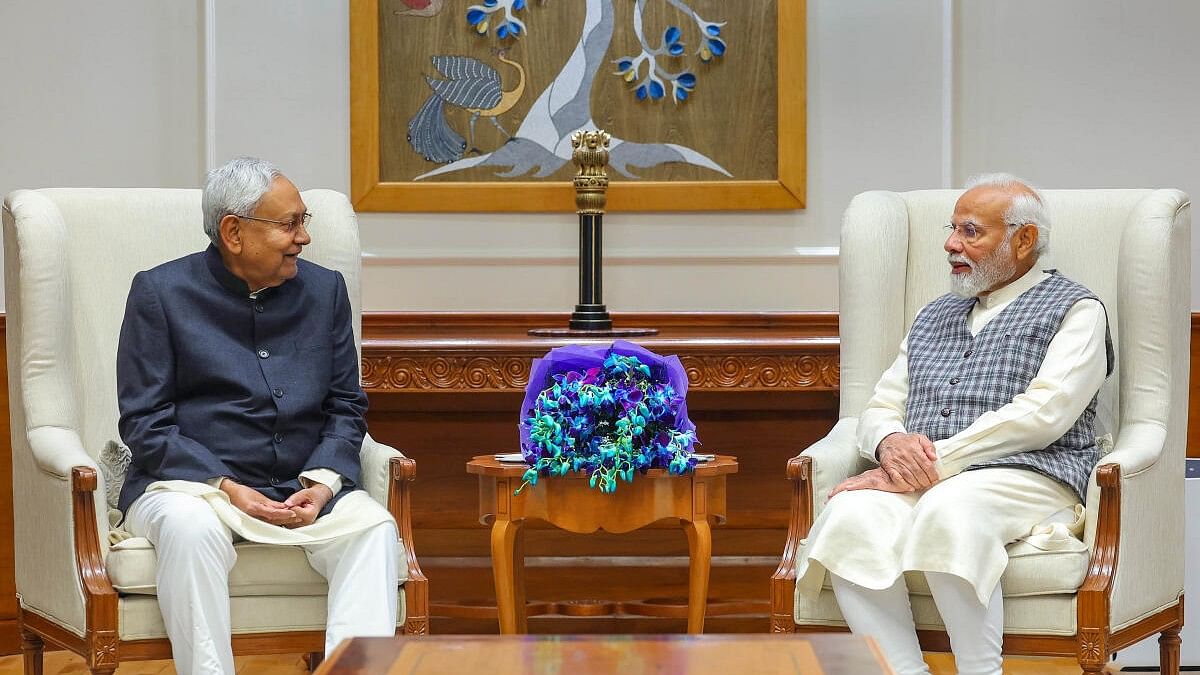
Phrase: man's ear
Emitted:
{"points": [[1025, 241], [231, 233]]}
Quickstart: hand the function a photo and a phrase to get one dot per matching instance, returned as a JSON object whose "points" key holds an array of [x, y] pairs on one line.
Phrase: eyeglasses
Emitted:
{"points": [[289, 226], [969, 232]]}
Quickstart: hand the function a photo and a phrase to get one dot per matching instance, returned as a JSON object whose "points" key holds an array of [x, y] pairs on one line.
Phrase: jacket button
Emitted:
{"points": [[954, 380], [262, 353], [274, 480], [967, 353], [258, 307], [277, 392], [945, 412], [278, 438]]}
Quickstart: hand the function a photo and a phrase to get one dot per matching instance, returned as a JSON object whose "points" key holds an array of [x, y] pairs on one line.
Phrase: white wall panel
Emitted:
{"points": [[1081, 94]]}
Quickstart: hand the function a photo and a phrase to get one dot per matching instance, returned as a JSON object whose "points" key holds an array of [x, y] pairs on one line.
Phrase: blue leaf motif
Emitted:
{"points": [[671, 35], [641, 93], [518, 5], [656, 90], [502, 31], [681, 94], [624, 65], [713, 29], [717, 46], [676, 49], [475, 16], [490, 3], [687, 80]]}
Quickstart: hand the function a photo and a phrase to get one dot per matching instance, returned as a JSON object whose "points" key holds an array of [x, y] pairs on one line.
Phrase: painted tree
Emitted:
{"points": [[542, 143]]}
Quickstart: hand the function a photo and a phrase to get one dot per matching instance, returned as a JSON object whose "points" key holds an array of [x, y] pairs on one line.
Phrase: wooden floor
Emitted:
{"points": [[59, 663]]}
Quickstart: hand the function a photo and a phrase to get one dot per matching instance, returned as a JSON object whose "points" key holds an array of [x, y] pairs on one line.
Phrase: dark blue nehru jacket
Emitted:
{"points": [[213, 383]]}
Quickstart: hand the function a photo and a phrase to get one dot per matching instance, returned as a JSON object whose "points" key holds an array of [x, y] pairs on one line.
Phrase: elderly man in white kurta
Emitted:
{"points": [[983, 427]]}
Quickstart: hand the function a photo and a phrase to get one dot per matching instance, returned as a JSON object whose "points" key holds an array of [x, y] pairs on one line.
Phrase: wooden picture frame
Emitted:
{"points": [[371, 193]]}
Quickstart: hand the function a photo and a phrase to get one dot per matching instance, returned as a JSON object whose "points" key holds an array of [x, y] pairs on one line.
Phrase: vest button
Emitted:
{"points": [[274, 480], [277, 392], [954, 380], [967, 353], [262, 354], [258, 307], [945, 412], [278, 438]]}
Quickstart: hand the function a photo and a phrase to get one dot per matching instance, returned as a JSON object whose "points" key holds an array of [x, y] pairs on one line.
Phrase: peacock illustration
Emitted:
{"points": [[469, 84]]}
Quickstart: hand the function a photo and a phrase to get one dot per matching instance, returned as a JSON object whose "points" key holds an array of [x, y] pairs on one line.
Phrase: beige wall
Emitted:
{"points": [[902, 95]]}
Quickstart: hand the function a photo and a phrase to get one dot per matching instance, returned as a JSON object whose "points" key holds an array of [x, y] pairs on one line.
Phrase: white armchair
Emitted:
{"points": [[70, 255], [1124, 582]]}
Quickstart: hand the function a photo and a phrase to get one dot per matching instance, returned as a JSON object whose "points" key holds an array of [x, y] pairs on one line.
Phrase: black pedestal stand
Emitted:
{"points": [[590, 318]]}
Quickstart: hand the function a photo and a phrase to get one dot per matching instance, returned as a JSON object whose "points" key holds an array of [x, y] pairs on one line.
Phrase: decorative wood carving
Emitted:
{"points": [[757, 371], [490, 352], [433, 372]]}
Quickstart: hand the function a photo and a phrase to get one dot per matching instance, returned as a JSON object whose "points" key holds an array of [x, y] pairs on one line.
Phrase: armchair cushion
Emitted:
{"points": [[261, 569], [141, 619], [1030, 571], [1028, 615]]}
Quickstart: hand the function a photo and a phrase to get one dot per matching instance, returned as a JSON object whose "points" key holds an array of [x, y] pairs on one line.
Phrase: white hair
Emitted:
{"points": [[1027, 206], [235, 188]]}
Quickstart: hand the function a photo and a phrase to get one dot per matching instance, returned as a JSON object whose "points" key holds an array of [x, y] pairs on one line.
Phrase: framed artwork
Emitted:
{"points": [[470, 105]]}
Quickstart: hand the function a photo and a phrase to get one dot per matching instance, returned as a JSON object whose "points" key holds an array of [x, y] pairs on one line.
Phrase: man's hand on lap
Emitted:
{"points": [[307, 503], [872, 479], [256, 505], [908, 460]]}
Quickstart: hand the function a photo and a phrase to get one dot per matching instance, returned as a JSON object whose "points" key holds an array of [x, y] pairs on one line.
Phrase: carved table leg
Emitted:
{"points": [[509, 570], [1168, 651], [700, 551], [31, 647], [519, 602]]}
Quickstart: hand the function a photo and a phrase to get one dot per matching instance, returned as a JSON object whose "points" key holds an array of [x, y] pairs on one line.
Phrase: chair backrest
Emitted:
{"points": [[1130, 247], [70, 255]]}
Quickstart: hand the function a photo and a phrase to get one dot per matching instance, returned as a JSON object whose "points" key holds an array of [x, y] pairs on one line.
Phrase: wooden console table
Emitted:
{"points": [[447, 387], [569, 503]]}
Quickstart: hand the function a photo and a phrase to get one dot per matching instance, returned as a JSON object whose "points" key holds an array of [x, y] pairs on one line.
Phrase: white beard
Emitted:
{"points": [[986, 273]]}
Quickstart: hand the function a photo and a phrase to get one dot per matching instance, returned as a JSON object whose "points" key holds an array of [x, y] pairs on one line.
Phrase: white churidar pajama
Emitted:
{"points": [[192, 527], [956, 531]]}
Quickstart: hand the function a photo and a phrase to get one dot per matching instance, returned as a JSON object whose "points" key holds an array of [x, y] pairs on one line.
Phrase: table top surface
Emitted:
{"points": [[815, 654], [488, 465]]}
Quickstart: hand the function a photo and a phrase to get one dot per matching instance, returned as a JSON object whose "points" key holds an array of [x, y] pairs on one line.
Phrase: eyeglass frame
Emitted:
{"points": [[970, 239], [290, 226]]}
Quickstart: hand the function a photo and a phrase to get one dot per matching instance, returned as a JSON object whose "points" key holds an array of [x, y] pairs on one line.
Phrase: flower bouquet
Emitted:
{"points": [[607, 410]]}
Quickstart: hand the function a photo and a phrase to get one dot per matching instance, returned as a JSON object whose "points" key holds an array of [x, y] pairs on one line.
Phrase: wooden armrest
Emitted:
{"points": [[783, 581], [99, 596], [1093, 600], [416, 588]]}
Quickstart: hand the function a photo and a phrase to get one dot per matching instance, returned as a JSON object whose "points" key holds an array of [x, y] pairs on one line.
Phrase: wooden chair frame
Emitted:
{"points": [[1094, 641], [101, 646]]}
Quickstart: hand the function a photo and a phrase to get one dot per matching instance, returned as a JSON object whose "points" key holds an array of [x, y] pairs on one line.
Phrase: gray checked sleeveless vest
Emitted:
{"points": [[954, 378]]}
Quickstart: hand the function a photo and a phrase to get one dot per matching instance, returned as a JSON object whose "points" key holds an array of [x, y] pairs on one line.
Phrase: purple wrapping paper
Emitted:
{"points": [[582, 357]]}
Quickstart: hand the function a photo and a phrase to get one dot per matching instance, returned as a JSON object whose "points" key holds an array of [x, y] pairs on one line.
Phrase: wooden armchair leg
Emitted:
{"points": [[416, 596], [313, 659], [32, 648], [1168, 651]]}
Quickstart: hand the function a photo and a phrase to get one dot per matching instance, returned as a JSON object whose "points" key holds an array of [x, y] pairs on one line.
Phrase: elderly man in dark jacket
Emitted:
{"points": [[238, 386]]}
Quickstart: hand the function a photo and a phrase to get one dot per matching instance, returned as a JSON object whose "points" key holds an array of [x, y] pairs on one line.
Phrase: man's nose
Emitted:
{"points": [[953, 243]]}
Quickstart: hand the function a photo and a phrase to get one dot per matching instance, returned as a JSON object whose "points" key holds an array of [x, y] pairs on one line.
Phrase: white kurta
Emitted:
{"points": [[962, 524], [353, 513]]}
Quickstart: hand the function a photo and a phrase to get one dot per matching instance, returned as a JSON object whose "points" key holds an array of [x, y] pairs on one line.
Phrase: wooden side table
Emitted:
{"points": [[569, 503]]}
